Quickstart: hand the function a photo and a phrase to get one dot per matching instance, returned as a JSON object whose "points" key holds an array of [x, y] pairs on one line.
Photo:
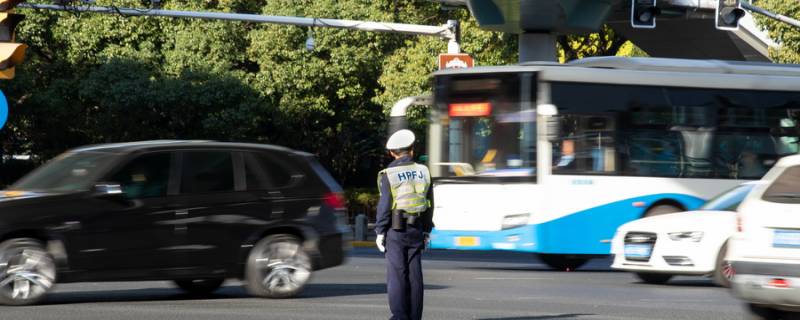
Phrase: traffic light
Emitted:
{"points": [[643, 13], [11, 53], [728, 14]]}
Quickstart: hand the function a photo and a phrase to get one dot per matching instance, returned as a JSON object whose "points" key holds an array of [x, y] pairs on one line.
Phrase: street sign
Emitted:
{"points": [[3, 109], [455, 61]]}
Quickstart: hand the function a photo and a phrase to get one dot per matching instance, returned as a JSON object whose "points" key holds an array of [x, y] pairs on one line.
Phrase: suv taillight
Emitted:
{"points": [[334, 200]]}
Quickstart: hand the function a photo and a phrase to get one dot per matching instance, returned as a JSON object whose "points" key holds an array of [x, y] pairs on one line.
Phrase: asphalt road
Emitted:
{"points": [[459, 285]]}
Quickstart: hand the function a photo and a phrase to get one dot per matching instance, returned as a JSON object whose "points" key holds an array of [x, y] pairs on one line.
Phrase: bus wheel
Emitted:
{"points": [[661, 209], [562, 261]]}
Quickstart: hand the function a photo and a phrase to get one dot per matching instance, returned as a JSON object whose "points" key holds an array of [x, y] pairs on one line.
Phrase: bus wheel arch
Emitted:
{"points": [[664, 206]]}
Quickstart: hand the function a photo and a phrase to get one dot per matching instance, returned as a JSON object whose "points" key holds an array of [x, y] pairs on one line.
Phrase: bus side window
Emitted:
{"points": [[588, 145]]}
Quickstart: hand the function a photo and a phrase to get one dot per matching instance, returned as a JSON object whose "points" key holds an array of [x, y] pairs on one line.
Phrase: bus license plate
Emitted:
{"points": [[786, 239], [638, 250], [467, 241]]}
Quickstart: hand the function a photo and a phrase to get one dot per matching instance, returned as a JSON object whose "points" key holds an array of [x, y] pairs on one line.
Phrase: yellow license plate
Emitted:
{"points": [[468, 241]]}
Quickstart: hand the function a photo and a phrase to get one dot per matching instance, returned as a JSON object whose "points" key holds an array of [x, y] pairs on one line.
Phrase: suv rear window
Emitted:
{"points": [[268, 171], [207, 171], [326, 177], [786, 188]]}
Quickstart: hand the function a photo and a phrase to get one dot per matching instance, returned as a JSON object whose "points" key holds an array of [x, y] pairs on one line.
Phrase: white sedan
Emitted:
{"points": [[685, 243]]}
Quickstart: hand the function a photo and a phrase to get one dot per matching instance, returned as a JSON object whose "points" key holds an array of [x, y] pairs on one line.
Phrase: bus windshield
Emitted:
{"points": [[488, 126]]}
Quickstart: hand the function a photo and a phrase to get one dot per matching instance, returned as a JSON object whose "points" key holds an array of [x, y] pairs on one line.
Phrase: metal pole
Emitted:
{"points": [[537, 46], [775, 16], [453, 42], [361, 227], [445, 31]]}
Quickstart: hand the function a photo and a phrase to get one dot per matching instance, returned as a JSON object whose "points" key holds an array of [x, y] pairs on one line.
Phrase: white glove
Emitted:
{"points": [[381, 241]]}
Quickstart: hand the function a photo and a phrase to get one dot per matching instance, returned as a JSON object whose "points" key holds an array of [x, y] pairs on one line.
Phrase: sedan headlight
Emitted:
{"points": [[514, 221], [694, 236]]}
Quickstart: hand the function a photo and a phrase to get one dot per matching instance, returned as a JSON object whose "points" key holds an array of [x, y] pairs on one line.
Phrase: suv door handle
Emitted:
{"points": [[272, 195]]}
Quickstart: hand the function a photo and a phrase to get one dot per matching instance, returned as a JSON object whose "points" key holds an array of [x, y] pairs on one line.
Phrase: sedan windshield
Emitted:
{"points": [[729, 200], [69, 172]]}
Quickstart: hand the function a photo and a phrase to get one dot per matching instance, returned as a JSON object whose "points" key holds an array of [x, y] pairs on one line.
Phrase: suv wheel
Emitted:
{"points": [[199, 286], [27, 272], [277, 267]]}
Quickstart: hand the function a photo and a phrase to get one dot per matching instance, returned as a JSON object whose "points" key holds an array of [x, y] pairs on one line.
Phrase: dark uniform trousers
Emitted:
{"points": [[404, 271]]}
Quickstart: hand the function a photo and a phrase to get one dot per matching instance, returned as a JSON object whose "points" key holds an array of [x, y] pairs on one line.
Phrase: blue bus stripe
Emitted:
{"points": [[582, 232]]}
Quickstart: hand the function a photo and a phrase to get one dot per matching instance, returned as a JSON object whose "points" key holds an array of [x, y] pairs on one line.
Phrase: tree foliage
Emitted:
{"points": [[787, 36], [94, 78], [606, 42]]}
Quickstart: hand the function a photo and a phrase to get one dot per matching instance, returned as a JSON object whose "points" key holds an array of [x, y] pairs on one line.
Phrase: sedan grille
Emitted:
{"points": [[639, 246], [640, 237]]}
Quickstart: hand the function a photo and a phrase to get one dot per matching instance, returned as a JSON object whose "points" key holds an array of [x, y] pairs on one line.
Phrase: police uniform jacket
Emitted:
{"points": [[384, 214]]}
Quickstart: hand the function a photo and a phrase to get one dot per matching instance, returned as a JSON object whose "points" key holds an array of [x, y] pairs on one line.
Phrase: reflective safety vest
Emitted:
{"points": [[409, 185]]}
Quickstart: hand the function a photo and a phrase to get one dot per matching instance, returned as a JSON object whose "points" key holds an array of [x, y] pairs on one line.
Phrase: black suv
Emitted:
{"points": [[195, 212]]}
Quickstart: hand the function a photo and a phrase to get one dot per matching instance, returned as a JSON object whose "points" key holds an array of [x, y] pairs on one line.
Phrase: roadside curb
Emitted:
{"points": [[363, 244]]}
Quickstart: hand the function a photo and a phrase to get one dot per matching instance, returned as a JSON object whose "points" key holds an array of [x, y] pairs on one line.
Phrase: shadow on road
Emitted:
{"points": [[145, 294], [539, 269], [338, 290], [703, 283], [312, 290], [555, 316], [513, 261]]}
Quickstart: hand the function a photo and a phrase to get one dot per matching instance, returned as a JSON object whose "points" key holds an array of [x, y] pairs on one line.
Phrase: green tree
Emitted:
{"points": [[94, 78], [787, 36], [98, 78], [406, 71]]}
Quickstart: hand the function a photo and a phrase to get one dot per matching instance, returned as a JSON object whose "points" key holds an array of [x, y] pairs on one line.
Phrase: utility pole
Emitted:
{"points": [[447, 31]]}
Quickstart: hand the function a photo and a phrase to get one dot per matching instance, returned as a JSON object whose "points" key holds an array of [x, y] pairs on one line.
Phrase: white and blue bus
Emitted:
{"points": [[551, 159]]}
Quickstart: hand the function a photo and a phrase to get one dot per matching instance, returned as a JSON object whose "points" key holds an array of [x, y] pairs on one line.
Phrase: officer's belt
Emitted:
{"points": [[404, 219], [409, 218]]}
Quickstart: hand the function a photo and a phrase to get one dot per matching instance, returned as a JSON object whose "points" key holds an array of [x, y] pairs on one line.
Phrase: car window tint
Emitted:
{"points": [[146, 176], [786, 188], [255, 177], [266, 171], [207, 171], [326, 177]]}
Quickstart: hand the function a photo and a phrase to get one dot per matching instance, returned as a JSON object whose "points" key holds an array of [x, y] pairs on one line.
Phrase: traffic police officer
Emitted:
{"points": [[404, 220]]}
